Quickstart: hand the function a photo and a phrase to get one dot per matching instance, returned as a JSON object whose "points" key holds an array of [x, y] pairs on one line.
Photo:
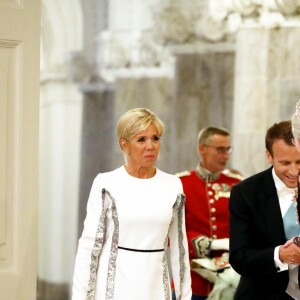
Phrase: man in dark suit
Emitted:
{"points": [[262, 219]]}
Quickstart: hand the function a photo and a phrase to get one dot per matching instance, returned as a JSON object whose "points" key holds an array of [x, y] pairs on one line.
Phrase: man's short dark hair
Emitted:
{"points": [[207, 132], [279, 131]]}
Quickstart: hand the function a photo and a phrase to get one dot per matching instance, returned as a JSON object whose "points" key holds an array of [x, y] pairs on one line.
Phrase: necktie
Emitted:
{"points": [[291, 228]]}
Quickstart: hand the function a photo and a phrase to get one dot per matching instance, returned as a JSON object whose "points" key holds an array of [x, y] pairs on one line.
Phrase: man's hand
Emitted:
{"points": [[289, 253]]}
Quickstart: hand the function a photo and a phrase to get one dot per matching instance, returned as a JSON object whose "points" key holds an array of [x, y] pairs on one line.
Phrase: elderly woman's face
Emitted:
{"points": [[142, 150]]}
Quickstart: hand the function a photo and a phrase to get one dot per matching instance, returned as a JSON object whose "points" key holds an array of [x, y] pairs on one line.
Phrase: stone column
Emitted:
{"points": [[203, 97], [267, 76], [98, 135], [60, 122]]}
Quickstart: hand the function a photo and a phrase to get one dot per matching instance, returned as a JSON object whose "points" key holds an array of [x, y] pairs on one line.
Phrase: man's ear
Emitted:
{"points": [[200, 149], [269, 157]]}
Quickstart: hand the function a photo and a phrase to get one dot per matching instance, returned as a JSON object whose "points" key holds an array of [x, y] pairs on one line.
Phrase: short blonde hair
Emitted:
{"points": [[136, 120]]}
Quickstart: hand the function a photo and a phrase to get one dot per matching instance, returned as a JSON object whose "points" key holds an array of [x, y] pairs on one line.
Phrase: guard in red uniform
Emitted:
{"points": [[207, 190]]}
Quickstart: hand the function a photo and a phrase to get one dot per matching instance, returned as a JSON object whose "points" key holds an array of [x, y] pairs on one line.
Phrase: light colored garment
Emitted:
{"points": [[218, 271], [142, 214], [287, 207], [225, 285]]}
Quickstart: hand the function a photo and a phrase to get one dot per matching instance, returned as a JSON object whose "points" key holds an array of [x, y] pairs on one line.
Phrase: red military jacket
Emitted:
{"points": [[206, 213]]}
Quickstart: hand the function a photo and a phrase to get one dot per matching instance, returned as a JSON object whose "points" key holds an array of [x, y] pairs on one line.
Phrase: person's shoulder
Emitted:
{"points": [[165, 174], [167, 177], [259, 179], [107, 175], [183, 174], [232, 173]]}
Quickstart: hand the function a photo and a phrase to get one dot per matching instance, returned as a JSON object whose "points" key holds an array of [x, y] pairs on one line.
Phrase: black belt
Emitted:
{"points": [[140, 250]]}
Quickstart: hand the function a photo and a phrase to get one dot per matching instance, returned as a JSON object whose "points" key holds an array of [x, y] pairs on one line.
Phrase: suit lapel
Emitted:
{"points": [[271, 209]]}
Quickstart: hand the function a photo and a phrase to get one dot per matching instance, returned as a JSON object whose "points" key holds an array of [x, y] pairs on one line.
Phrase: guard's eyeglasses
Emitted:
{"points": [[221, 149]]}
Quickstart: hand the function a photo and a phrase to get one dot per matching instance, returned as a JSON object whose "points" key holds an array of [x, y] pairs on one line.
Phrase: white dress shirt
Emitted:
{"points": [[285, 196]]}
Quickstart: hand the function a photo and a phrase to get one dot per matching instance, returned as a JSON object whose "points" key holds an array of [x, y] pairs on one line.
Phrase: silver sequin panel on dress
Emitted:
{"points": [[178, 208], [97, 251]]}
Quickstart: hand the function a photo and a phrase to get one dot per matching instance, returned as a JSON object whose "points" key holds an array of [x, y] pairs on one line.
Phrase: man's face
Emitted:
{"points": [[286, 162], [215, 152]]}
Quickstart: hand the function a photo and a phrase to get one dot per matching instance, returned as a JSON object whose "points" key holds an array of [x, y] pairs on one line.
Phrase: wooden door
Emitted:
{"points": [[19, 110]]}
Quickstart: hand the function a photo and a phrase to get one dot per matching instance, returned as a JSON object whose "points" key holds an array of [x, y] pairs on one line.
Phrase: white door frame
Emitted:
{"points": [[19, 125]]}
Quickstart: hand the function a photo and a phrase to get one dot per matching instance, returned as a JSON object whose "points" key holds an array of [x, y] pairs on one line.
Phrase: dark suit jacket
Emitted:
{"points": [[256, 228]]}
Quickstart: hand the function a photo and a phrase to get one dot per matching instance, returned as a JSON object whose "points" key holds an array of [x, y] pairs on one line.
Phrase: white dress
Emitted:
{"points": [[122, 253]]}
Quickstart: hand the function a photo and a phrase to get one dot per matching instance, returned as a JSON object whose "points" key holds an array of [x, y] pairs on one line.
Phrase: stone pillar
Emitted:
{"points": [[203, 97], [60, 128], [98, 135], [60, 122], [267, 76]]}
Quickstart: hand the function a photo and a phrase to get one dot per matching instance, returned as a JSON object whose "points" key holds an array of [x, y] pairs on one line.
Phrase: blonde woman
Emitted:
{"points": [[134, 213]]}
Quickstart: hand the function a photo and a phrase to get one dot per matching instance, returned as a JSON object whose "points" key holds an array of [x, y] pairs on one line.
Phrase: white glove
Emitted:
{"points": [[230, 276], [220, 244]]}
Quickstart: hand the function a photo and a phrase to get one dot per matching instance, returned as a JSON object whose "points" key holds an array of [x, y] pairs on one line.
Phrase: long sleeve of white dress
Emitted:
{"points": [[86, 243], [179, 255]]}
